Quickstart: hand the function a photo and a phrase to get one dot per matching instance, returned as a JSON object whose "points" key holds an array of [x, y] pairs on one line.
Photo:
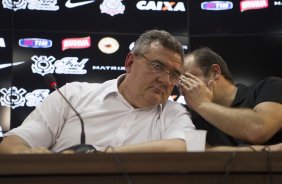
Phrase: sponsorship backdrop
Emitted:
{"points": [[87, 40], [235, 17], [76, 40], [246, 33]]}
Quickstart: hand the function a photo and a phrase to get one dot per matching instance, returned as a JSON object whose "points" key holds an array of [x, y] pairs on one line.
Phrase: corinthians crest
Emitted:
{"points": [[112, 7], [43, 64]]}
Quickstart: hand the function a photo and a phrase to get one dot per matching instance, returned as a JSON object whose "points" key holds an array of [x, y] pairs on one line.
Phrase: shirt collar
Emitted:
{"points": [[112, 88]]}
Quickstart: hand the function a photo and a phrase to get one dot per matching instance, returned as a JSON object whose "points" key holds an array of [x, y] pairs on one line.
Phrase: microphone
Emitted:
{"points": [[82, 147]]}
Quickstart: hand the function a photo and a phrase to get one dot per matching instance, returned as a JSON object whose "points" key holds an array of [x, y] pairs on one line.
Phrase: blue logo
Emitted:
{"points": [[35, 43], [217, 5]]}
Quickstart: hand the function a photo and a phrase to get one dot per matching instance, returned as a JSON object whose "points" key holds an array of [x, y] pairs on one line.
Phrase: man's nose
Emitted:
{"points": [[164, 77]]}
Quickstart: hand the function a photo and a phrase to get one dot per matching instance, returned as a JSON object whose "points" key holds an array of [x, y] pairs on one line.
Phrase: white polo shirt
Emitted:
{"points": [[108, 118]]}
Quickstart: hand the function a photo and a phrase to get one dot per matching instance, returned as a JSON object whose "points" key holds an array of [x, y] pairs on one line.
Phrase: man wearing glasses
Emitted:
{"points": [[128, 114]]}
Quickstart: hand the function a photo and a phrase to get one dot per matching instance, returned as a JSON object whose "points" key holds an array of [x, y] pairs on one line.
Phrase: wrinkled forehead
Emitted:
{"points": [[159, 51]]}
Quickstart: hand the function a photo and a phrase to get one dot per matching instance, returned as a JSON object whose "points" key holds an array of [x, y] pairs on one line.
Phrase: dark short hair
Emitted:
{"points": [[159, 36], [205, 58]]}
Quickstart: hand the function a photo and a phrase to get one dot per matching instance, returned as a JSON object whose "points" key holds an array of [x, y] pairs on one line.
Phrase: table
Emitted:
{"points": [[148, 168]]}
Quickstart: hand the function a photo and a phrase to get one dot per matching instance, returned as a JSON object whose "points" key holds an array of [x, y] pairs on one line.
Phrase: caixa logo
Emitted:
{"points": [[216, 5], [161, 6], [35, 43]]}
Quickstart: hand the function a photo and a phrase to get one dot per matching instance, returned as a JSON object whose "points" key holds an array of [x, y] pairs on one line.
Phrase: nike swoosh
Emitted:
{"points": [[10, 64], [69, 4]]}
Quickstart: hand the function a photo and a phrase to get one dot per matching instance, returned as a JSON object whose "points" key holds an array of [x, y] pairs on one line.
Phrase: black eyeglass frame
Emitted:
{"points": [[158, 67]]}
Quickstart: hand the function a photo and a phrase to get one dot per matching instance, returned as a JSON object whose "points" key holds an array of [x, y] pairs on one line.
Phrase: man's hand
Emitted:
{"points": [[195, 91], [16, 145], [37, 150], [167, 145]]}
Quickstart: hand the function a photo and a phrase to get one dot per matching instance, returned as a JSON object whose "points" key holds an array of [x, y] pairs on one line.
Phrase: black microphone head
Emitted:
{"points": [[50, 81]]}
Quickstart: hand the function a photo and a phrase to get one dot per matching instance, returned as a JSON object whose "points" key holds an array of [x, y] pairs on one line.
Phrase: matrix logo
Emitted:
{"points": [[35, 43], [216, 5], [161, 6], [109, 68], [253, 4]]}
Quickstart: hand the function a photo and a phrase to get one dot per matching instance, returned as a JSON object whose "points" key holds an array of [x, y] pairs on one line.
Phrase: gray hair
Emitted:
{"points": [[157, 36]]}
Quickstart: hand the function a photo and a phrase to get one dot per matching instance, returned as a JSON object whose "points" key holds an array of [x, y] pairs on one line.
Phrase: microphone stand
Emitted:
{"points": [[82, 147]]}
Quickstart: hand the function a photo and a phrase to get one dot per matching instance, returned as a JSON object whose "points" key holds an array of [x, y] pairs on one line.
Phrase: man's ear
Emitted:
{"points": [[129, 61], [216, 71]]}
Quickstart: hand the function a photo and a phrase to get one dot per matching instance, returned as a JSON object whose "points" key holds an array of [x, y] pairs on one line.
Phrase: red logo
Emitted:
{"points": [[253, 4], [76, 43]]}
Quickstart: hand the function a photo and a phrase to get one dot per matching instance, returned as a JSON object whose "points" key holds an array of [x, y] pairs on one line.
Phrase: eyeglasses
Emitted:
{"points": [[159, 68]]}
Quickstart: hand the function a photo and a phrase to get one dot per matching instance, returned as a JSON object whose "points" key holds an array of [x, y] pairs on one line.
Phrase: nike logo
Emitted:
{"points": [[69, 4], [10, 64]]}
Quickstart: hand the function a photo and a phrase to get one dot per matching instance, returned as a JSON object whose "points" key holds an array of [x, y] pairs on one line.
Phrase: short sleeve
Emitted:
{"points": [[177, 121], [269, 89], [43, 125]]}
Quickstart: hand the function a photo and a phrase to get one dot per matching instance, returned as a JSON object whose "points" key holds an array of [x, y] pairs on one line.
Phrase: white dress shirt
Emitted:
{"points": [[108, 118]]}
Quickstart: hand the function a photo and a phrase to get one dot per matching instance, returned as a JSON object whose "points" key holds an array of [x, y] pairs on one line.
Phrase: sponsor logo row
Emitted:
{"points": [[68, 43], [14, 97], [244, 5], [18, 97], [114, 7], [107, 45], [110, 7], [68, 65]]}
